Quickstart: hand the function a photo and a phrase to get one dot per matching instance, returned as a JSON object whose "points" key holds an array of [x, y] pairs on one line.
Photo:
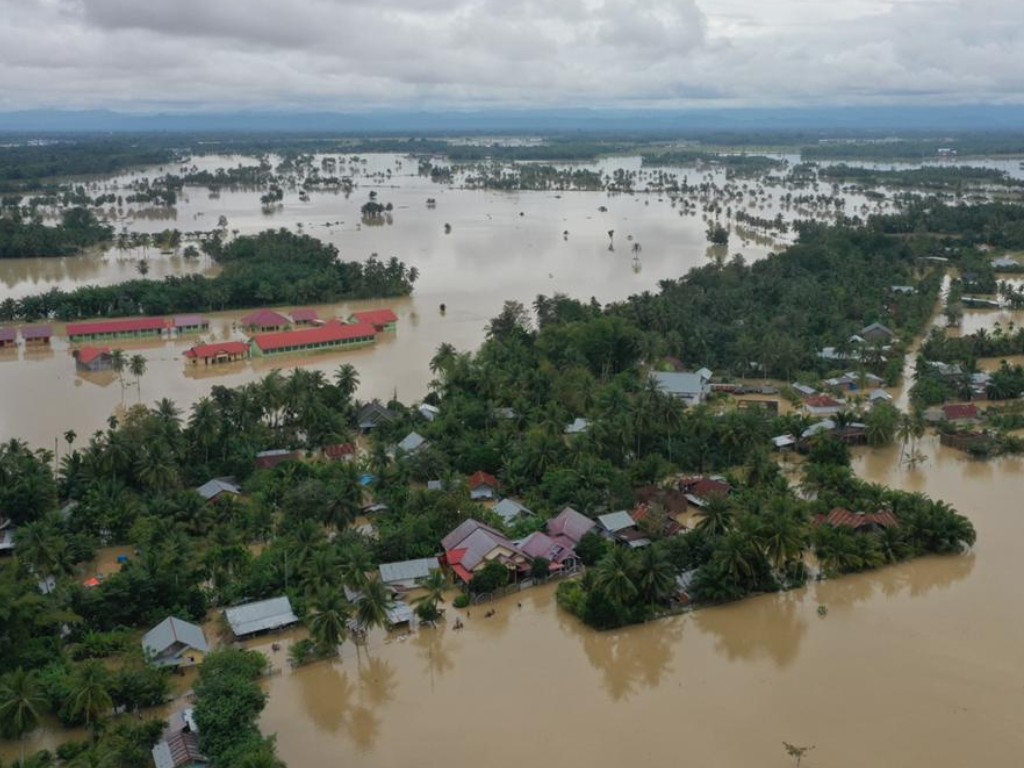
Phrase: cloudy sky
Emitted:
{"points": [[357, 55]]}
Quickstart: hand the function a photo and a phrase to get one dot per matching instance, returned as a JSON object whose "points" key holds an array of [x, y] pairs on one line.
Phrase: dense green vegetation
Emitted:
{"points": [[78, 229], [914, 149], [940, 178], [274, 267]]}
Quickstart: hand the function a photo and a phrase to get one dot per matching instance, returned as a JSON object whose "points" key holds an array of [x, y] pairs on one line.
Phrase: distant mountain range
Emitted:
{"points": [[818, 120]]}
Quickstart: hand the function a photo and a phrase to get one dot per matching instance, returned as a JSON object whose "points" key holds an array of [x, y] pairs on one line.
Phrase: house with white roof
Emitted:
{"points": [[175, 642], [691, 388], [510, 511], [261, 616], [407, 574]]}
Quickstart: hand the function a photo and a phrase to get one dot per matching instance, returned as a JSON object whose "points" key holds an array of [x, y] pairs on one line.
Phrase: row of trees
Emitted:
{"points": [[274, 267], [78, 229]]}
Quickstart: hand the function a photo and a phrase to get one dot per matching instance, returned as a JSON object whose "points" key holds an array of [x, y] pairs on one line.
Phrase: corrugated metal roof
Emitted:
{"points": [[190, 321], [129, 325], [172, 631], [408, 570], [412, 442], [375, 317], [218, 485], [570, 523], [400, 613], [32, 332], [8, 334], [177, 750], [509, 510], [264, 318], [616, 521], [324, 334], [261, 616]]}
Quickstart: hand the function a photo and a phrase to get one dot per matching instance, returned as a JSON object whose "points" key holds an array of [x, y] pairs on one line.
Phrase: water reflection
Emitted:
{"points": [[629, 660], [914, 579], [768, 627]]}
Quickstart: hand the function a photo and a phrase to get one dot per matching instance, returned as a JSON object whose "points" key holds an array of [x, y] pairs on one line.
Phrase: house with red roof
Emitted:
{"points": [[305, 316], [93, 359], [127, 328], [333, 335], [341, 451], [384, 320], [483, 486], [822, 405], [472, 545], [265, 320], [858, 521], [962, 412], [560, 552], [572, 525], [219, 352], [698, 490]]}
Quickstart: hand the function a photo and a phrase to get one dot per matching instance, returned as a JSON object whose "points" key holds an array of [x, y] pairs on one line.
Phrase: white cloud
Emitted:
{"points": [[358, 54]]}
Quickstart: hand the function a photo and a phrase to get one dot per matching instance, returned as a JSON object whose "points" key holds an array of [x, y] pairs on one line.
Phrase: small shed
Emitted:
{"points": [[270, 459], [510, 510], [37, 335], [214, 489], [483, 486]]}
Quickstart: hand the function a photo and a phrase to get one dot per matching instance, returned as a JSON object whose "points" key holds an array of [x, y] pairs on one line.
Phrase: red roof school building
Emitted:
{"points": [[333, 335], [221, 352], [305, 317], [93, 359], [384, 320], [265, 320], [130, 328], [37, 335]]}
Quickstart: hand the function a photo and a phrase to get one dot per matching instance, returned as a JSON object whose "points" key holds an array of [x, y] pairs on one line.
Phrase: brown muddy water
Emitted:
{"points": [[914, 665]]}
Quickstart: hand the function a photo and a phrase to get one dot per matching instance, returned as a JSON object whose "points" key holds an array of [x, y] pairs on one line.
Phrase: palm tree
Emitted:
{"points": [[137, 368], [614, 576], [355, 563], [346, 378], [373, 605], [434, 587], [329, 623], [118, 362], [717, 515], [90, 694], [21, 702], [656, 578]]}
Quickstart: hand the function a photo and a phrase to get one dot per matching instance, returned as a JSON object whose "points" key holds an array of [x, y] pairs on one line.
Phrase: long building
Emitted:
{"points": [[333, 335], [132, 327]]}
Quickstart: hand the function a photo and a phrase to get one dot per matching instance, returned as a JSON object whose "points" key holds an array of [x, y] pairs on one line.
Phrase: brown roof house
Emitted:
{"points": [[472, 545]]}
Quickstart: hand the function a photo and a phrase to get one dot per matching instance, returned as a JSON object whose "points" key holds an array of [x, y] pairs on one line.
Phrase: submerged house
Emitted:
{"points": [[859, 521], [305, 317], [559, 551], [37, 335], [93, 359], [133, 327], [822, 405], [179, 749], [621, 527], [407, 574], [220, 352], [383, 320], [8, 338], [175, 642], [264, 320], [190, 324], [472, 545], [333, 335], [262, 616]]}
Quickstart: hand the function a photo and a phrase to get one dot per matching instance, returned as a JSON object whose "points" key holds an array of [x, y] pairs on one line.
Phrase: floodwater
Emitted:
{"points": [[502, 246], [917, 664], [914, 665]]}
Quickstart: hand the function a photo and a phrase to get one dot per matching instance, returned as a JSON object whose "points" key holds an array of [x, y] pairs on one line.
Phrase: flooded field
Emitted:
{"points": [[915, 665]]}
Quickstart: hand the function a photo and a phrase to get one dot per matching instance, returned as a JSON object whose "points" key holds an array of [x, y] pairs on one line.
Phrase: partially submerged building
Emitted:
{"points": [[175, 642], [262, 616]]}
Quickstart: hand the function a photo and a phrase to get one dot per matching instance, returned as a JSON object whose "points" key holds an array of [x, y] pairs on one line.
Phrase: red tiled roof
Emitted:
{"points": [[702, 487], [128, 325], [822, 401], [304, 315], [376, 316], [844, 517], [264, 318], [87, 354], [205, 351], [483, 478], [962, 411], [339, 451], [321, 335]]}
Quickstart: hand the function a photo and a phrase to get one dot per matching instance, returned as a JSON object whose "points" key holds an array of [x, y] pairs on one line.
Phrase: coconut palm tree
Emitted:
{"points": [[655, 576], [614, 576], [355, 564], [328, 623], [90, 693], [373, 605], [346, 379], [21, 703], [137, 368], [717, 516]]}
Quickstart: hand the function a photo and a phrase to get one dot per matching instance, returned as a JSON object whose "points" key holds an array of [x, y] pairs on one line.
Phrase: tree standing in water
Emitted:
{"points": [[137, 368]]}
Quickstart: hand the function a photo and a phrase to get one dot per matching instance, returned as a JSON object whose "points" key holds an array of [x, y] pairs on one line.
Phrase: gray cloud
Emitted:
{"points": [[358, 54]]}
